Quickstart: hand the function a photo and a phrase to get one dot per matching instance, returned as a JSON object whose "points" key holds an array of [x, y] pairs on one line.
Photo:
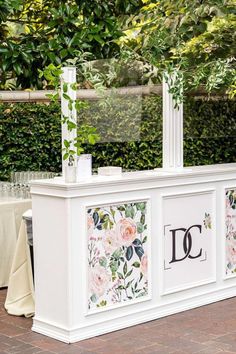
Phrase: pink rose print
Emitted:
{"points": [[99, 280], [227, 204], [229, 212], [110, 241], [90, 223], [126, 231], [231, 251], [144, 264], [117, 254]]}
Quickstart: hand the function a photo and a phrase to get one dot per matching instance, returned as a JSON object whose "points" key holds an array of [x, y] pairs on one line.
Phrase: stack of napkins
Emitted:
{"points": [[109, 171]]}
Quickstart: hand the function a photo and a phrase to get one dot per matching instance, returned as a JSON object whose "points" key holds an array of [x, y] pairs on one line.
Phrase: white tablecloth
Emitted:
{"points": [[20, 293], [10, 219]]}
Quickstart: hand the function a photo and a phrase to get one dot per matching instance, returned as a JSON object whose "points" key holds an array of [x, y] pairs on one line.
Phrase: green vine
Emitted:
{"points": [[85, 133]]}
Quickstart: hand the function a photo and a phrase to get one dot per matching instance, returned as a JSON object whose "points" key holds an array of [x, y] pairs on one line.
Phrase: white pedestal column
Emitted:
{"points": [[172, 132], [68, 78]]}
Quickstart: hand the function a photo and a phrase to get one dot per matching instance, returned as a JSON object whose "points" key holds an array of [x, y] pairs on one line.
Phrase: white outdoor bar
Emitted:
{"points": [[114, 251], [184, 225]]}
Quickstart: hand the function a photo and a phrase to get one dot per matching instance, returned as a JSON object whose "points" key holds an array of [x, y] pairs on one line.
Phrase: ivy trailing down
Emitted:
{"points": [[30, 136]]}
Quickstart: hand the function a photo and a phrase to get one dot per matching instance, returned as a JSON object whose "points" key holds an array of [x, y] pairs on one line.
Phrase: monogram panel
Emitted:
{"points": [[189, 240], [117, 254]]}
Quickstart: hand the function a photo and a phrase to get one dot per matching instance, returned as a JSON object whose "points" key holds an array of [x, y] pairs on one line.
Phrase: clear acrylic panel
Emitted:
{"points": [[115, 109], [127, 114]]}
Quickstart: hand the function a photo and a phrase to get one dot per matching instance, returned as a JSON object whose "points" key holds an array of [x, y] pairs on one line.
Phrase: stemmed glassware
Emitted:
{"points": [[19, 185]]}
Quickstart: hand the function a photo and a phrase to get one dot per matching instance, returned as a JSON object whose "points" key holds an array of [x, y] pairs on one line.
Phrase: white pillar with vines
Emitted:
{"points": [[68, 110], [172, 132]]}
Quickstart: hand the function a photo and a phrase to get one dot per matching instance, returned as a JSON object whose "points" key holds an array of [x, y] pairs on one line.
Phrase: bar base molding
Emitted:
{"points": [[77, 334]]}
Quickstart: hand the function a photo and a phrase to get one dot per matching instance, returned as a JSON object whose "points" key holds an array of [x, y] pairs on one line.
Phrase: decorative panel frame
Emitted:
{"points": [[118, 253], [192, 265]]}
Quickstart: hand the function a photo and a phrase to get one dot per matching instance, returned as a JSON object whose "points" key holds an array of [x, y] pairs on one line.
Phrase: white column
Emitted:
{"points": [[68, 77], [172, 132]]}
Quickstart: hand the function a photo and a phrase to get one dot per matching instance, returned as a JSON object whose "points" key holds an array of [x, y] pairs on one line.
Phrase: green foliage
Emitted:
{"points": [[30, 137], [196, 38], [7, 7], [45, 32], [209, 132], [52, 74], [86, 134]]}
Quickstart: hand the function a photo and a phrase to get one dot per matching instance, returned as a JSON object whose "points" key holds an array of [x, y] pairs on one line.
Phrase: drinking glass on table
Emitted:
{"points": [[5, 189]]}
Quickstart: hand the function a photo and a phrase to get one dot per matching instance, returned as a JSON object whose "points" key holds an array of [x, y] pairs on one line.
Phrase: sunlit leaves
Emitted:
{"points": [[196, 38], [52, 32]]}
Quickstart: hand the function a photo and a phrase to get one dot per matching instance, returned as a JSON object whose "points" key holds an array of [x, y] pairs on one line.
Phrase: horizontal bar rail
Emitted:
{"points": [[91, 94]]}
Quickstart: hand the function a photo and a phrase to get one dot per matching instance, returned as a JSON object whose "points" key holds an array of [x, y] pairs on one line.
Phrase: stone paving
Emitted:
{"points": [[207, 330]]}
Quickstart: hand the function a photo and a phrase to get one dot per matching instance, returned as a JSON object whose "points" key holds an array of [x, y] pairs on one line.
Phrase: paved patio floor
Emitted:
{"points": [[207, 330]]}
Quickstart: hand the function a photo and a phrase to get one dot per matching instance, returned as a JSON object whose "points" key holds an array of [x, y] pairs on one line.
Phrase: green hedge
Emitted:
{"points": [[209, 132], [30, 136]]}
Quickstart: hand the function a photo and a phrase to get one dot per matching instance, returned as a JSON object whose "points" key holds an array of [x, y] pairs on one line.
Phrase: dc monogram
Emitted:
{"points": [[187, 243]]}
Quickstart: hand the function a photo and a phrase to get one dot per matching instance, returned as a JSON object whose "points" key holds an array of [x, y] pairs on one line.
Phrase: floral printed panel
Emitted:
{"points": [[117, 254], [230, 222]]}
